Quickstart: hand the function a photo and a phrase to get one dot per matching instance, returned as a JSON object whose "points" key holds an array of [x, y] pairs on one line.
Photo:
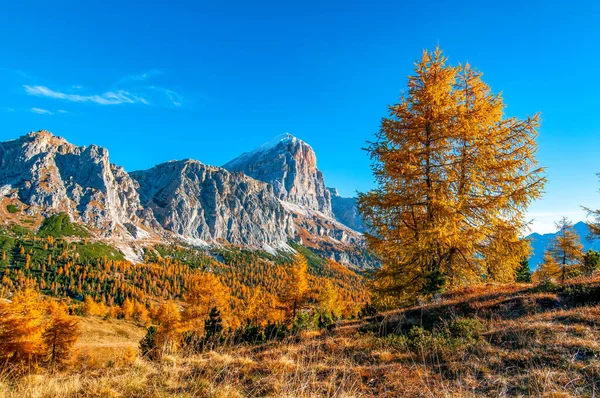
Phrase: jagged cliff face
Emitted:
{"points": [[204, 203], [345, 211], [290, 166], [181, 199], [50, 175]]}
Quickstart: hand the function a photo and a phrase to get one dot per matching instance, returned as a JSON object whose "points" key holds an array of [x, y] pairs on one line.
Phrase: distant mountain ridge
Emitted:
{"points": [[262, 199], [539, 243], [345, 211]]}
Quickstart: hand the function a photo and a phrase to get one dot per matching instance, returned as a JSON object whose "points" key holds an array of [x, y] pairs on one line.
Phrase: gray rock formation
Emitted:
{"points": [[182, 199], [290, 166], [330, 238], [346, 211], [208, 203], [51, 175]]}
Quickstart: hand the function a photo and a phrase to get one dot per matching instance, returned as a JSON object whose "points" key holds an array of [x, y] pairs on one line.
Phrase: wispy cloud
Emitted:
{"points": [[171, 95], [41, 111], [140, 77], [18, 72], [107, 98]]}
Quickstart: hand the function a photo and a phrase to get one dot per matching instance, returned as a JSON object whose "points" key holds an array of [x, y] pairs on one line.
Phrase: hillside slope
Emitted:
{"points": [[511, 340]]}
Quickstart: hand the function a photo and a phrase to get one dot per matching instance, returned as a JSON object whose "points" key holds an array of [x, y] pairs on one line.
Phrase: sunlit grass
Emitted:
{"points": [[531, 343]]}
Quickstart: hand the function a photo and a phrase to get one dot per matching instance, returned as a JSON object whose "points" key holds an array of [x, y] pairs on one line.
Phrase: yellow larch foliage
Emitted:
{"points": [[260, 308], [127, 309], [329, 301], [454, 179], [204, 293], [61, 334], [548, 270], [169, 331], [295, 291], [93, 308], [22, 328], [566, 248]]}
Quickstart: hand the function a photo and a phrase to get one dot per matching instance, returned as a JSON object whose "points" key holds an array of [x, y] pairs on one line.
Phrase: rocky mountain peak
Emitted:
{"points": [[290, 166], [204, 204], [264, 199], [50, 175]]}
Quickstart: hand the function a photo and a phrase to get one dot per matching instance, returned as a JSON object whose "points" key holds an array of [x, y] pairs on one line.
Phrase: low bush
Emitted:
{"points": [[60, 225], [12, 208]]}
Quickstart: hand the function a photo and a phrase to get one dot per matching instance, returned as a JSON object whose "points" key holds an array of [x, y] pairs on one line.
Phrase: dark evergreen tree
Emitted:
{"points": [[148, 346], [523, 272], [591, 262], [213, 325]]}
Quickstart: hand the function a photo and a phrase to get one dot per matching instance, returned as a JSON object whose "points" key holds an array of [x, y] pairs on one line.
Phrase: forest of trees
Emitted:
{"points": [[182, 293]]}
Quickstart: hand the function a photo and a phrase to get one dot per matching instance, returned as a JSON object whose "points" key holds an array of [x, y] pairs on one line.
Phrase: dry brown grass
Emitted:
{"points": [[531, 344]]}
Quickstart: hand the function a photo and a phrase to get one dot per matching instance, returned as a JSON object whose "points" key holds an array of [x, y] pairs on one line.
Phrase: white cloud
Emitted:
{"points": [[107, 98], [147, 75], [41, 111], [173, 97], [544, 222], [141, 76]]}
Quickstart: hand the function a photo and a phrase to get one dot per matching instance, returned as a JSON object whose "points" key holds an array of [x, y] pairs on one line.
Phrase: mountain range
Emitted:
{"points": [[539, 243], [263, 199]]}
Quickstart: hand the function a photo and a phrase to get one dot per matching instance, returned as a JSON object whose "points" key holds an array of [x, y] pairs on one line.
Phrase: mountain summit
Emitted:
{"points": [[268, 198], [50, 175], [290, 166]]}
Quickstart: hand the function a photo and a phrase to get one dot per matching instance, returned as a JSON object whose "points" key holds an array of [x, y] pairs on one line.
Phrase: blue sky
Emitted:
{"points": [[209, 80]]}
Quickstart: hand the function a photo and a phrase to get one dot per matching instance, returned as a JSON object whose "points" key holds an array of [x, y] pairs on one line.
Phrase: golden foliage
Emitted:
{"points": [[295, 291], [92, 308], [548, 270], [566, 248], [204, 293], [454, 180], [60, 335], [329, 301], [22, 328], [260, 308], [169, 330]]}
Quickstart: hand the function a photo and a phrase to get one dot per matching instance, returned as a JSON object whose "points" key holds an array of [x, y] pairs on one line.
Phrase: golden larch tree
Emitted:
{"points": [[455, 177], [61, 334], [329, 301], [22, 328], [295, 291], [548, 270], [127, 309], [259, 309], [566, 248], [204, 293], [169, 331]]}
